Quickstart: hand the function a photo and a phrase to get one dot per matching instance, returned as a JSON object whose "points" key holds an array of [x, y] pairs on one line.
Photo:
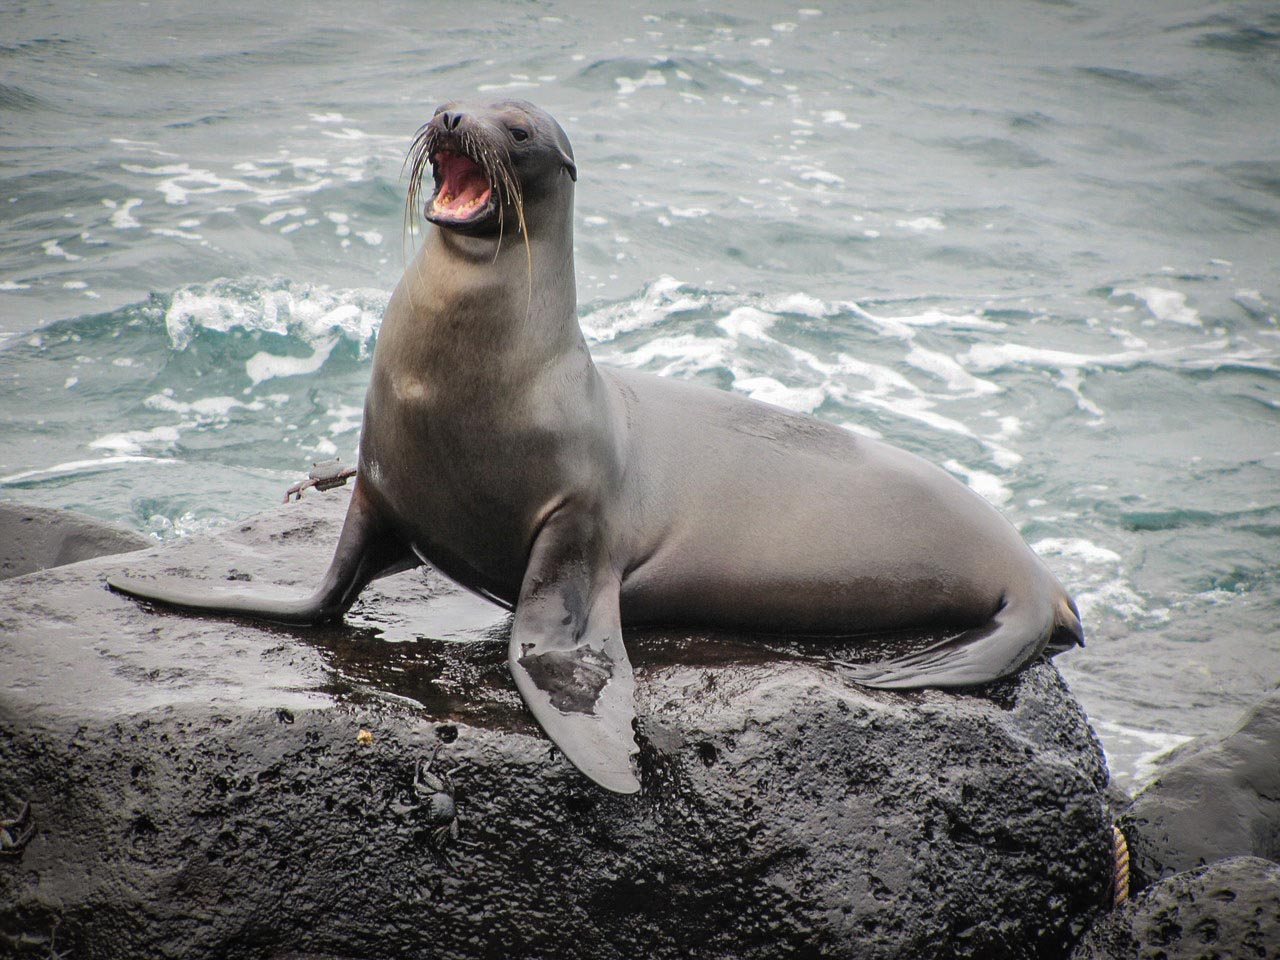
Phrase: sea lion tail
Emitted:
{"points": [[1027, 625]]}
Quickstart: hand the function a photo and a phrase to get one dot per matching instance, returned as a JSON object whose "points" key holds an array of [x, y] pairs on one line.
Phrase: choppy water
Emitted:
{"points": [[1035, 242]]}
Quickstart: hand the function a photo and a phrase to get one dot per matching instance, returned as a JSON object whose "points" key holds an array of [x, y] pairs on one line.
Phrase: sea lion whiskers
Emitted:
{"points": [[513, 189], [496, 167], [498, 170], [417, 160]]}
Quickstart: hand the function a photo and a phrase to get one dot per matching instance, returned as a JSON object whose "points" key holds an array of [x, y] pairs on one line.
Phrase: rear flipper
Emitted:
{"points": [[364, 552], [1023, 629]]}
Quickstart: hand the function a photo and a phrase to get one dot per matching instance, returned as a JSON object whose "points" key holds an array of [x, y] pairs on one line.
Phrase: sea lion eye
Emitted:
{"points": [[519, 135]]}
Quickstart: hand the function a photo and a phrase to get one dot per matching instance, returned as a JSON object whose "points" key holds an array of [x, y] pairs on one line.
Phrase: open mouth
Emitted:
{"points": [[462, 190]]}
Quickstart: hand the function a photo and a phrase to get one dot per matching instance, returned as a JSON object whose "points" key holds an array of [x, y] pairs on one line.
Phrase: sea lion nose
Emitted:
{"points": [[449, 119]]}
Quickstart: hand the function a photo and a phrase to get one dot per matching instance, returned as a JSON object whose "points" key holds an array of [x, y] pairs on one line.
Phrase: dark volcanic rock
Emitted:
{"points": [[36, 538], [1226, 911], [210, 788], [1216, 798]]}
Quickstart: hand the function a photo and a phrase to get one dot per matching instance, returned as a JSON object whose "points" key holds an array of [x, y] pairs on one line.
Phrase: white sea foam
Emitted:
{"points": [[838, 117], [346, 133], [1096, 576], [54, 249], [516, 83], [894, 393], [312, 313], [177, 234], [1077, 548], [275, 216], [133, 442], [1164, 304], [685, 355], [180, 181], [798, 303], [658, 301], [1143, 748], [921, 224], [1069, 366], [821, 176], [122, 217], [770, 390], [266, 366], [205, 408], [667, 296], [747, 322], [264, 181], [902, 326], [994, 356], [985, 484], [72, 467], [192, 308], [629, 85], [163, 528], [812, 380], [308, 163], [949, 371], [346, 419]]}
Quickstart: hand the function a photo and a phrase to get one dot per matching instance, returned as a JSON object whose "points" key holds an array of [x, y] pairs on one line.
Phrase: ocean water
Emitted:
{"points": [[1038, 243]]}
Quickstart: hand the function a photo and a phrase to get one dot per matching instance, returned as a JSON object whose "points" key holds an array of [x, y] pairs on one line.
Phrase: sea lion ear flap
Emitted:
{"points": [[569, 165]]}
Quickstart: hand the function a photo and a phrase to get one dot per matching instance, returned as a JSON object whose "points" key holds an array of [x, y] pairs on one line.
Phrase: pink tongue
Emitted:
{"points": [[463, 183]]}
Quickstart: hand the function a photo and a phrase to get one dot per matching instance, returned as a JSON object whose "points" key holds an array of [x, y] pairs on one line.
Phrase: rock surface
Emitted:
{"points": [[209, 788], [36, 538], [1215, 798], [1229, 910]]}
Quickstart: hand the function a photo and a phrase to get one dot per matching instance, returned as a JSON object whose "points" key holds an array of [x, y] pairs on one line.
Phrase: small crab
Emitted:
{"points": [[434, 790], [324, 475], [15, 834]]}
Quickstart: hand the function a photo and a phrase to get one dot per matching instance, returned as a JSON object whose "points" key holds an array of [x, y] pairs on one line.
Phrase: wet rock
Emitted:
{"points": [[209, 788], [36, 538], [1229, 910], [1215, 798]]}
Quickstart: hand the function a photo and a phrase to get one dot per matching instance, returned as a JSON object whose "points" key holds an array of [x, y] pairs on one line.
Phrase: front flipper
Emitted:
{"points": [[566, 651], [365, 552]]}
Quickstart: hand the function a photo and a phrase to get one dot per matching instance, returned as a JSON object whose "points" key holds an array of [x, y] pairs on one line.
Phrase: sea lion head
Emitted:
{"points": [[491, 165]]}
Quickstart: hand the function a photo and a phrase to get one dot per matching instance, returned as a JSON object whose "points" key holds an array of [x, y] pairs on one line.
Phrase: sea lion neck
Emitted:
{"points": [[463, 299]]}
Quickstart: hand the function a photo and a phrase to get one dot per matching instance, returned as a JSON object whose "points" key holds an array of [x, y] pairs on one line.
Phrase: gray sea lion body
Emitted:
{"points": [[581, 497]]}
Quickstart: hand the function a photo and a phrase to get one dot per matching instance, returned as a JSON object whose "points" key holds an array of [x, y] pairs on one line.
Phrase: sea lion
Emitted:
{"points": [[496, 450]]}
